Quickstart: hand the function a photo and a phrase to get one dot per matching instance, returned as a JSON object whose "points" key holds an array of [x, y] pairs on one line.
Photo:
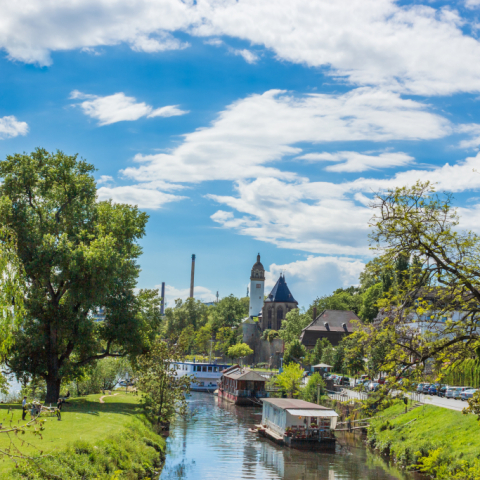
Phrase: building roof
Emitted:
{"points": [[332, 324], [301, 412], [281, 293], [334, 321], [258, 265], [322, 365], [239, 373], [293, 403]]}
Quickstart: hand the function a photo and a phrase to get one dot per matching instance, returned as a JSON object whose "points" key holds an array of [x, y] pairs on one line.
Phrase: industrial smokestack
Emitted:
{"points": [[162, 305], [192, 278]]}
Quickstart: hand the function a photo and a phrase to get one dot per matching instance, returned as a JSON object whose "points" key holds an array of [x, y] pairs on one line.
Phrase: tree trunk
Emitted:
{"points": [[53, 389]]}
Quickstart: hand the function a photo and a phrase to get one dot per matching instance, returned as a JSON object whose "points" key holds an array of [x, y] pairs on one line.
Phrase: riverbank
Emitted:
{"points": [[442, 443], [111, 440]]}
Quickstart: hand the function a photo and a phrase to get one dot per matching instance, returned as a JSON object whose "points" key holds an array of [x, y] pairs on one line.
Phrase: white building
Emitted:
{"points": [[257, 289]]}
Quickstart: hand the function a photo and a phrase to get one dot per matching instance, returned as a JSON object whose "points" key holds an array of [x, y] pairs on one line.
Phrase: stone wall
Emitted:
{"points": [[264, 351]]}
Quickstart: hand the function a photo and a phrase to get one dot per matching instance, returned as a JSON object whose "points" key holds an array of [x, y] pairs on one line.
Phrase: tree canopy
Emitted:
{"points": [[76, 254]]}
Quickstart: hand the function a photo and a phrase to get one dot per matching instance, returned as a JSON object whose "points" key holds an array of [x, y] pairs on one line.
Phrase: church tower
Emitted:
{"points": [[257, 286]]}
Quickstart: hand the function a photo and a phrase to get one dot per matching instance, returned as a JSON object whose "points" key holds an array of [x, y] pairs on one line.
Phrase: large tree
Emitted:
{"points": [[439, 288], [77, 255]]}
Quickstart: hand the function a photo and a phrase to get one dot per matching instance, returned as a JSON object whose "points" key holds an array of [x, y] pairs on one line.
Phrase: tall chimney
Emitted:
{"points": [[162, 305], [192, 278]]}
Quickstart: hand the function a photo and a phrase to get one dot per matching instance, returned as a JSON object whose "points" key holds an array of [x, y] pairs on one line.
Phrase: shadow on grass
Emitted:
{"points": [[89, 407]]}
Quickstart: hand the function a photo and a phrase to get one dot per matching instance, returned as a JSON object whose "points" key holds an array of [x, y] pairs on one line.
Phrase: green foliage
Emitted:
{"points": [[294, 351], [310, 392], [135, 453], [203, 339], [270, 335], [290, 379], [293, 324], [441, 442], [369, 309], [317, 351], [342, 299], [104, 375], [228, 312], [77, 254], [163, 392], [441, 288], [189, 312], [239, 350], [328, 355], [226, 338]]}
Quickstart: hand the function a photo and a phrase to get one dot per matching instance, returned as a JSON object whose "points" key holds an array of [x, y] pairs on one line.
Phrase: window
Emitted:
{"points": [[279, 314], [210, 369], [204, 369], [269, 326], [270, 314]]}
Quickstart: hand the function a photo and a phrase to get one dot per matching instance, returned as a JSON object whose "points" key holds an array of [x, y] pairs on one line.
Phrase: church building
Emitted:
{"points": [[280, 301]]}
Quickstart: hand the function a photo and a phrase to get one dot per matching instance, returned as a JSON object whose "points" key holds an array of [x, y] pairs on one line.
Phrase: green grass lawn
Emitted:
{"points": [[83, 418], [425, 429]]}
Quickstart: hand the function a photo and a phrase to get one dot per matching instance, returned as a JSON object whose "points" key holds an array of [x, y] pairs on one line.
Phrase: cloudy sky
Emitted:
{"points": [[246, 126]]}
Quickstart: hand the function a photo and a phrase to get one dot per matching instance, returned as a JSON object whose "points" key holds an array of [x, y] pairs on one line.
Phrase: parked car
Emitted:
{"points": [[451, 392], [381, 380], [465, 395], [459, 391], [425, 388], [373, 386], [420, 387], [441, 391], [433, 390]]}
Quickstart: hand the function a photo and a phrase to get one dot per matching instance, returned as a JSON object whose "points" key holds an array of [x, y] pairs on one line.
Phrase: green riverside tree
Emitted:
{"points": [[77, 254]]}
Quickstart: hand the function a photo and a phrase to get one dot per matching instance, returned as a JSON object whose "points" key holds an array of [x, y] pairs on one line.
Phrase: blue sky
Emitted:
{"points": [[246, 127]]}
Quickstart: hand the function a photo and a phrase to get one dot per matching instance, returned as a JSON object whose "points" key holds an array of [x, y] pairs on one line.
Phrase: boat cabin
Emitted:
{"points": [[297, 423], [241, 386]]}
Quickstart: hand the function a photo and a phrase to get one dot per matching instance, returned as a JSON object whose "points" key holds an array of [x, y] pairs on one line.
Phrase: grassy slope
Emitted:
{"points": [[434, 427], [83, 419]]}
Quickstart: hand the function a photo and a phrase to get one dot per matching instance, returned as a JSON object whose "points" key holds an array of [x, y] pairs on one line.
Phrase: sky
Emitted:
{"points": [[247, 127]]}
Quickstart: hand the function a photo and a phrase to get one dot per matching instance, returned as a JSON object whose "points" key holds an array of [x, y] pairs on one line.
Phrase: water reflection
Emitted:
{"points": [[217, 445]]}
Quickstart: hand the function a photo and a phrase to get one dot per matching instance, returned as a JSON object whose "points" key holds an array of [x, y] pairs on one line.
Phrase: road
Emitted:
{"points": [[449, 403]]}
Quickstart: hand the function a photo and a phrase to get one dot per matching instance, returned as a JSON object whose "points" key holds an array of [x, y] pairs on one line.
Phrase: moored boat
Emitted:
{"points": [[206, 376]]}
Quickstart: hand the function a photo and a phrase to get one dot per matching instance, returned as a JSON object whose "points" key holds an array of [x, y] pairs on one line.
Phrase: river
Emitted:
{"points": [[215, 444]]}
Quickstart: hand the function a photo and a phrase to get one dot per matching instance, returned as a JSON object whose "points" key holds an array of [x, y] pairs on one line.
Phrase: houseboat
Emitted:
{"points": [[205, 375], [298, 424], [241, 386]]}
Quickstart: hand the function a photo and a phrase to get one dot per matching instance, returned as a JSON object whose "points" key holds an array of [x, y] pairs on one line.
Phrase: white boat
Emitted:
{"points": [[205, 375]]}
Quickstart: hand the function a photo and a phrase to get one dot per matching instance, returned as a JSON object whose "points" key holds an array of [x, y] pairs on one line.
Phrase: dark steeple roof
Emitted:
{"points": [[281, 293]]}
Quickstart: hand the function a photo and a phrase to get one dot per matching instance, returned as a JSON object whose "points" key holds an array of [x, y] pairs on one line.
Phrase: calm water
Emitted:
{"points": [[217, 445]]}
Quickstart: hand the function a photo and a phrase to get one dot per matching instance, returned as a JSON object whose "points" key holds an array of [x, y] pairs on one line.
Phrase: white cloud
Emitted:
{"points": [[168, 111], [415, 48], [165, 41], [172, 293], [323, 217], [261, 129], [314, 217], [247, 55], [119, 108], [472, 3], [315, 276], [137, 195], [359, 162], [104, 179], [11, 127], [473, 130]]}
